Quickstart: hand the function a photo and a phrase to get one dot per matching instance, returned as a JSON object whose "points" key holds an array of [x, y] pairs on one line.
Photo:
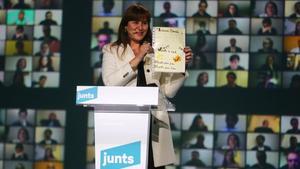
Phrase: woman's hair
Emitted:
{"points": [[25, 132], [48, 156], [231, 161], [236, 137], [135, 12], [274, 5], [18, 64], [297, 30], [49, 65], [227, 13]]}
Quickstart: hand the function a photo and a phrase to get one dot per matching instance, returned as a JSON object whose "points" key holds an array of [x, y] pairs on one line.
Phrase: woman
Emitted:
{"points": [[22, 136], [49, 156], [233, 142], [231, 11], [45, 64], [229, 161], [20, 73], [271, 10], [198, 124], [123, 61]]}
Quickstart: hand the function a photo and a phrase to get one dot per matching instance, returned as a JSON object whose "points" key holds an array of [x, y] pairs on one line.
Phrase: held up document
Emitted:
{"points": [[168, 44]]}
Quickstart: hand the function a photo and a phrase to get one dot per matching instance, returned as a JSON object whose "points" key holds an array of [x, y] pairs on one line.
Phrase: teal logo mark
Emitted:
{"points": [[86, 95], [121, 156]]}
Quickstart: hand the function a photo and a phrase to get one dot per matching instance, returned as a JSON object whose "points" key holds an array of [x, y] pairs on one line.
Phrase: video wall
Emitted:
{"points": [[236, 43], [30, 40], [32, 138], [219, 140]]}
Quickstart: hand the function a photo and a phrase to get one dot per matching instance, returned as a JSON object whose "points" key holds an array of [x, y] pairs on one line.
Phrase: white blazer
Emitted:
{"points": [[116, 71]]}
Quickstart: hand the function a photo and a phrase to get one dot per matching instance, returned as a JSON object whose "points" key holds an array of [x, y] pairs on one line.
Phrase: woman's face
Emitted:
{"points": [[22, 136], [200, 122], [232, 9], [137, 30], [44, 61], [22, 64], [270, 9], [204, 79], [232, 141]]}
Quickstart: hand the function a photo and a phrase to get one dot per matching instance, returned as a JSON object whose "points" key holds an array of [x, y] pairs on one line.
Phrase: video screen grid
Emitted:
{"points": [[225, 140], [30, 39], [32, 138], [236, 43]]}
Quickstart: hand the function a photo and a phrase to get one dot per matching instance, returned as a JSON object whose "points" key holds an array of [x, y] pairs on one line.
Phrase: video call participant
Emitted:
{"points": [[231, 11], [260, 144], [231, 81], [21, 20], [294, 122], [52, 121], [232, 47], [296, 49], [233, 142], [22, 119], [232, 28], [107, 5], [44, 50], [195, 160], [20, 34], [48, 137], [48, 4], [19, 153], [106, 29], [198, 124], [202, 7], [267, 46], [267, 28], [199, 142], [167, 13], [266, 80], [229, 161], [296, 14], [262, 163], [271, 10], [234, 63], [20, 48], [102, 39], [294, 145], [264, 128], [292, 160], [295, 82], [231, 120], [41, 83], [48, 19], [47, 37], [123, 66], [21, 5], [270, 63], [202, 79]]}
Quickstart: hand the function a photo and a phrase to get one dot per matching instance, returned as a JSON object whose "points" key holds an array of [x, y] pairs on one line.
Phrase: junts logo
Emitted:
{"points": [[121, 156], [86, 95]]}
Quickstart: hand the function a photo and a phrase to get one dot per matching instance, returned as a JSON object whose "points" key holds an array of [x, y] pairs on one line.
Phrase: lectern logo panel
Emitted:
{"points": [[86, 95], [121, 156]]}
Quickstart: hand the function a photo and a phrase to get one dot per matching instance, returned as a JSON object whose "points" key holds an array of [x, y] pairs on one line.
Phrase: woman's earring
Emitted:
{"points": [[125, 29]]}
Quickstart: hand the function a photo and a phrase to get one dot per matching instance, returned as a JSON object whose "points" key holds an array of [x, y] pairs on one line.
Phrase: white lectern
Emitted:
{"points": [[122, 120]]}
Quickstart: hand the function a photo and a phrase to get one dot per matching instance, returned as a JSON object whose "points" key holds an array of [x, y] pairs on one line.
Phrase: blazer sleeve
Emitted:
{"points": [[171, 83], [114, 71]]}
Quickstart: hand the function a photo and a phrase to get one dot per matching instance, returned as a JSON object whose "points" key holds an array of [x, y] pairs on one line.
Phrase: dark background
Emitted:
{"points": [[75, 70]]}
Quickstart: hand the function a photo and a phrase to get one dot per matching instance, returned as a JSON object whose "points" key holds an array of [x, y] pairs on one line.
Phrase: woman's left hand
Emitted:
{"points": [[188, 55]]}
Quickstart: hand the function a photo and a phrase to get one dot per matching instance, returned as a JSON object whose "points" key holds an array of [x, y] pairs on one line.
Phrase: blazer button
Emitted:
{"points": [[148, 70]]}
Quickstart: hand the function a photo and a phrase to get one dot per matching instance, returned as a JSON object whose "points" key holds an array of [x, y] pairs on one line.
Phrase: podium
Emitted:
{"points": [[122, 121]]}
